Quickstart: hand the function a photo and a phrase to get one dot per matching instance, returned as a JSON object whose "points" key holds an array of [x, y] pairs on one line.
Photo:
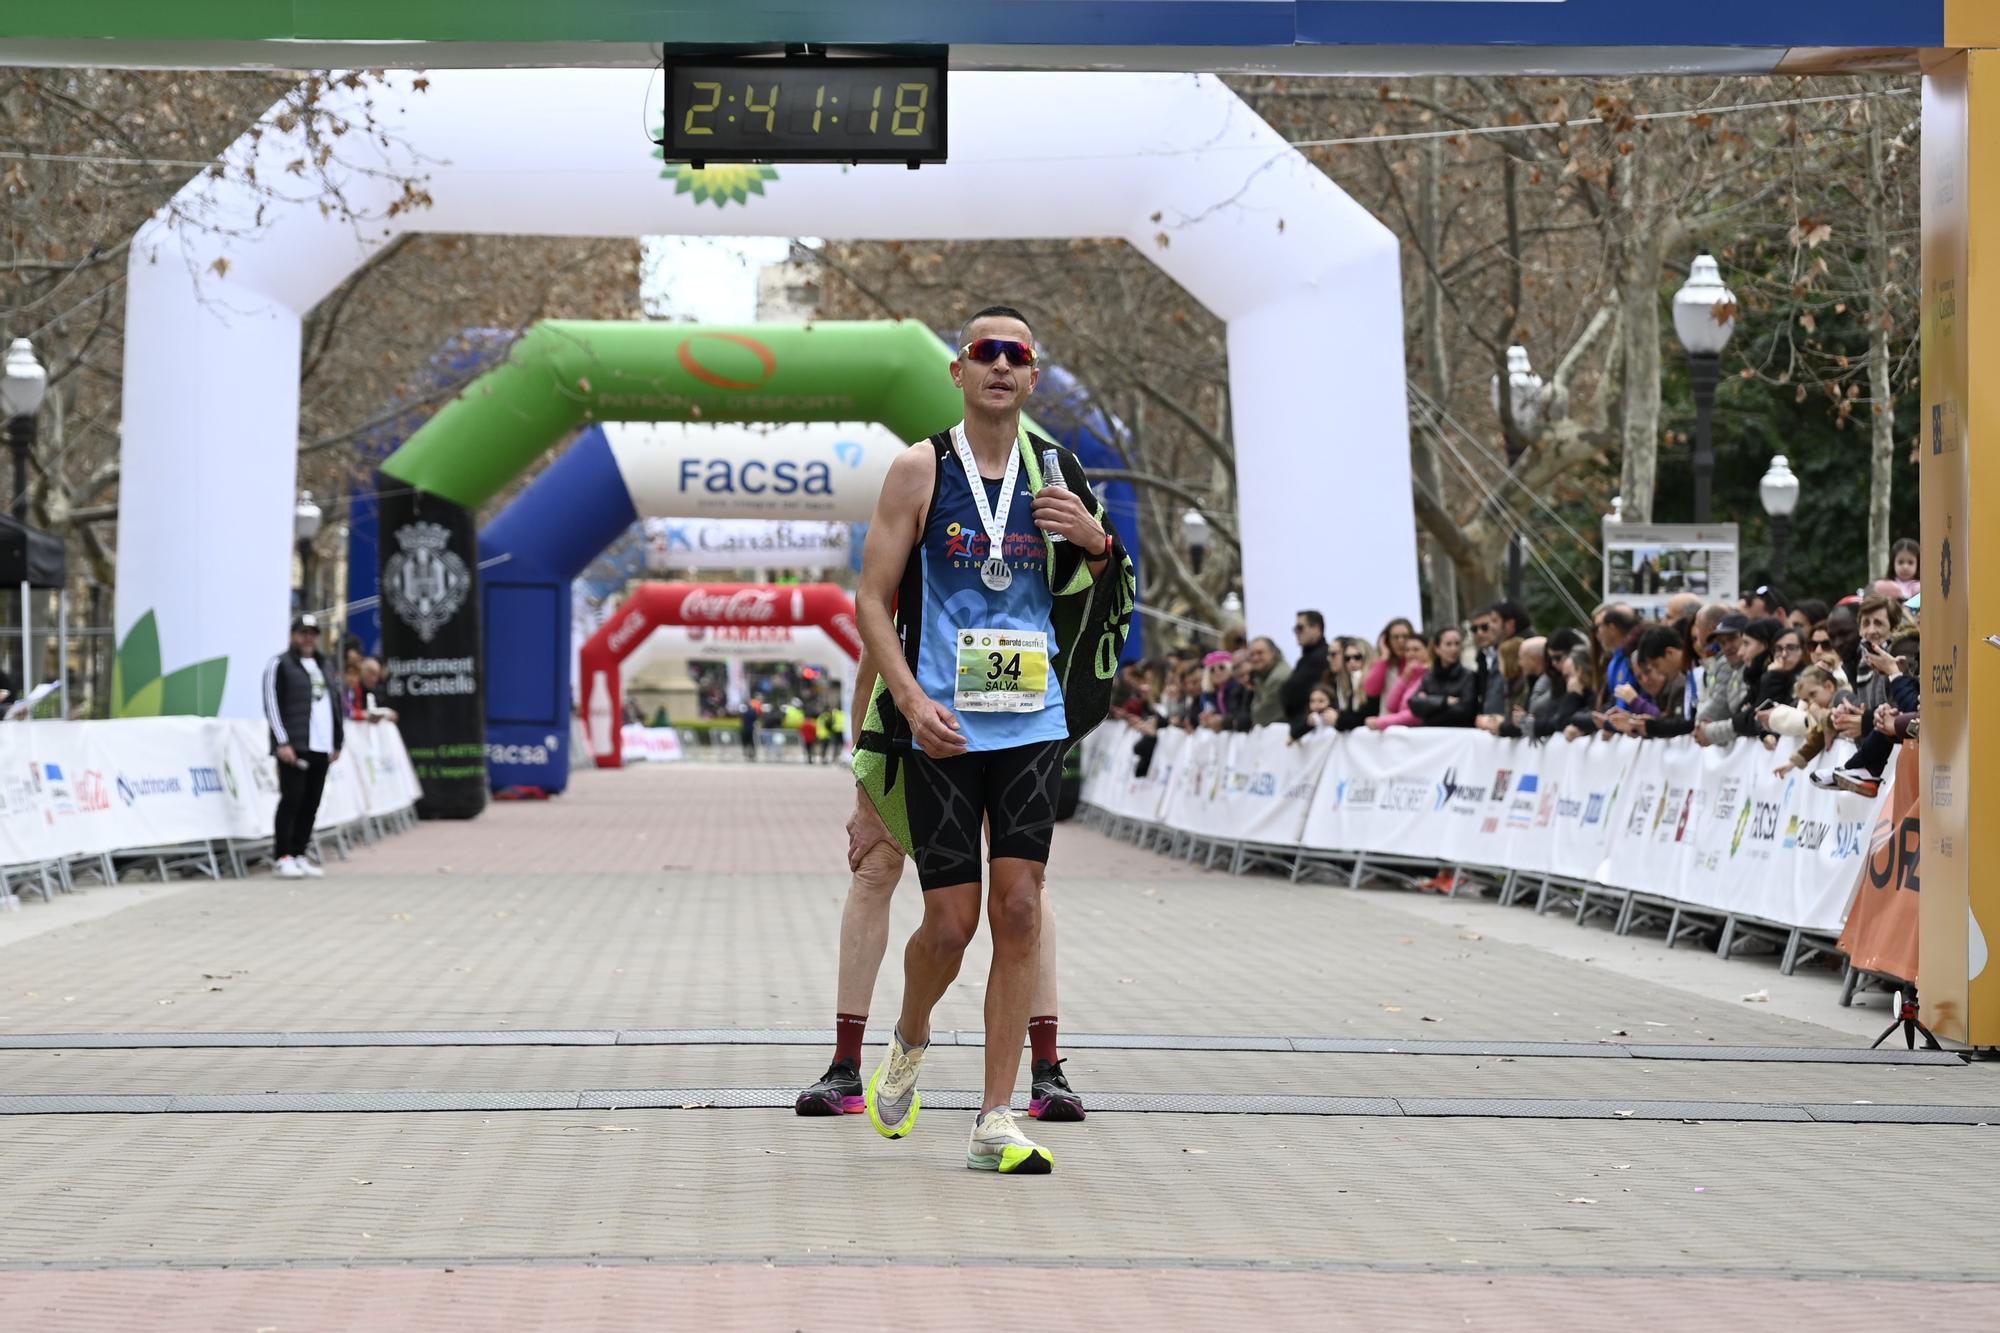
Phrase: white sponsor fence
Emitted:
{"points": [[650, 745], [1650, 832], [175, 793]]}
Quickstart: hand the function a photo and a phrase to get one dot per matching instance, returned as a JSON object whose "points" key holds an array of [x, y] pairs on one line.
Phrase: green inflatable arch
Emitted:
{"points": [[565, 374]]}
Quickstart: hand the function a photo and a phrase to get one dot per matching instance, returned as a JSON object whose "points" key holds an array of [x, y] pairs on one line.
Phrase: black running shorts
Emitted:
{"points": [[1013, 792]]}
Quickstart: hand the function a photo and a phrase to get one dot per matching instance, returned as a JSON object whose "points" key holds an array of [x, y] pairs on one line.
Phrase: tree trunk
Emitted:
{"points": [[1882, 402], [1638, 294], [1440, 573], [1645, 230]]}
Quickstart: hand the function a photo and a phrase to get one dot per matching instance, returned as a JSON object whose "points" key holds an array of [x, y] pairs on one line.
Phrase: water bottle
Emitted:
{"points": [[1052, 476]]}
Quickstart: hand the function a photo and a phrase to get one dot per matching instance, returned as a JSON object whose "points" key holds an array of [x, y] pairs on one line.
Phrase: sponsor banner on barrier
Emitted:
{"points": [[1399, 793], [1266, 784], [1882, 929], [1718, 829], [1580, 815], [81, 788], [1721, 830], [650, 745], [1192, 783]]}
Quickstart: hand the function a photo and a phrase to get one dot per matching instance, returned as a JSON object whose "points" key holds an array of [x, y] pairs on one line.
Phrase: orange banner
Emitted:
{"points": [[1881, 931]]}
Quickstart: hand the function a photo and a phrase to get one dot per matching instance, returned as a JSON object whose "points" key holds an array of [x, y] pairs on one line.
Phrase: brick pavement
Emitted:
{"points": [[1329, 1075], [761, 1297], [758, 1297], [702, 897]]}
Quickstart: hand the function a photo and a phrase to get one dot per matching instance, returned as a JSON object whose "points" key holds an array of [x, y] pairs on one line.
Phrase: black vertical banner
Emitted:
{"points": [[429, 551]]}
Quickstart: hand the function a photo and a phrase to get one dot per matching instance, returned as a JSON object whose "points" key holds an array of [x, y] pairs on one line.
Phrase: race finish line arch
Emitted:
{"points": [[1176, 164], [711, 605]]}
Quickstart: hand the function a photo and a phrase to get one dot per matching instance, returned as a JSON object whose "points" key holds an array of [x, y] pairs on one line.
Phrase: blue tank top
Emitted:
{"points": [[953, 547]]}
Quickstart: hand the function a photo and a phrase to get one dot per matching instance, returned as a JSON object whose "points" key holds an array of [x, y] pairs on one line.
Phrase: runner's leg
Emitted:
{"points": [[1019, 794], [945, 804], [932, 958], [1044, 1003], [864, 925], [944, 807], [875, 864], [1050, 1096], [1014, 910]]}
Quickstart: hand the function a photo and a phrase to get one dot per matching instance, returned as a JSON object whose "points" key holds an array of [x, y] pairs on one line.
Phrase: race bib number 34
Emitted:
{"points": [[1002, 670]]}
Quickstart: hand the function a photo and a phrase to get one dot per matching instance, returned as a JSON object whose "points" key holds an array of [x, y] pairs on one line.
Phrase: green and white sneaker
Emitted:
{"points": [[999, 1145], [892, 1098]]}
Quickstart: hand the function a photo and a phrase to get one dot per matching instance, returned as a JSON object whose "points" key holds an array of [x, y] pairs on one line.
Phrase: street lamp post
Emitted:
{"points": [[1705, 319], [1194, 531], [1779, 490], [1524, 406], [306, 520], [23, 382]]}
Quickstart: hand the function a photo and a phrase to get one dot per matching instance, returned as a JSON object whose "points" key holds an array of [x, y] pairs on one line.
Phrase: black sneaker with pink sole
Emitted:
{"points": [[1050, 1097], [837, 1093]]}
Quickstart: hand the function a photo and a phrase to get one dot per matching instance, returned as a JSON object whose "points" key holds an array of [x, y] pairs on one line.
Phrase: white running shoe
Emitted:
{"points": [[891, 1097], [999, 1145], [287, 867], [308, 867]]}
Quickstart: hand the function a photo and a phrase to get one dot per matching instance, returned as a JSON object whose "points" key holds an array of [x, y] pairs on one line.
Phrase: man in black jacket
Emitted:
{"points": [[301, 706], [1310, 673]]}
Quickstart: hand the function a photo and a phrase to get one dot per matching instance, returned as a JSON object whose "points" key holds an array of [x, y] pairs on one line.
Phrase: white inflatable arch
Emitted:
{"points": [[1174, 163]]}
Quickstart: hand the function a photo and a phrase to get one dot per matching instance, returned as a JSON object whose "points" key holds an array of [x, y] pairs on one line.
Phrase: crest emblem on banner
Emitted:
{"points": [[426, 582]]}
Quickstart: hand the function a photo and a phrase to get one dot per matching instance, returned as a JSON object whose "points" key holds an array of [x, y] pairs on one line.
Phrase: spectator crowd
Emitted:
{"points": [[1793, 677]]}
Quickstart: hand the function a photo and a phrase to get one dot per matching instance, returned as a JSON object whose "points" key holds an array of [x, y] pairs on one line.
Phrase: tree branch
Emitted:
{"points": [[1224, 452], [1218, 525], [326, 320]]}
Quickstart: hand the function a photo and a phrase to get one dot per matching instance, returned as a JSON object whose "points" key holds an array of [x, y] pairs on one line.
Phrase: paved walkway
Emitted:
{"points": [[656, 947]]}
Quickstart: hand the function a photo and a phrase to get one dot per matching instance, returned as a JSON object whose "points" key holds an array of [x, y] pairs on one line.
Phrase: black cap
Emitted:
{"points": [[1733, 624], [307, 621], [1766, 630]]}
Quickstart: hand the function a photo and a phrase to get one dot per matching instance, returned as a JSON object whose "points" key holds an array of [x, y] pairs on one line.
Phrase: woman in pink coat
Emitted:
{"points": [[1389, 655], [1396, 694]]}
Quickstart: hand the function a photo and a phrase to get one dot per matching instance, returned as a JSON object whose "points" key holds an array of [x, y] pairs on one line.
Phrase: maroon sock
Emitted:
{"points": [[847, 1030], [1042, 1037]]}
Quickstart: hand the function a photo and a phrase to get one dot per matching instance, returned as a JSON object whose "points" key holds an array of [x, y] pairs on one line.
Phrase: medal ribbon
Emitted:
{"points": [[996, 528]]}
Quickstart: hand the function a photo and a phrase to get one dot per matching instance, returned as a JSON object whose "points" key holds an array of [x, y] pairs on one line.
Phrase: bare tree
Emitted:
{"points": [[87, 156]]}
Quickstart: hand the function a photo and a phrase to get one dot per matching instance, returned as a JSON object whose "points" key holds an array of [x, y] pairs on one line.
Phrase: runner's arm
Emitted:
{"points": [[864, 691], [892, 534]]}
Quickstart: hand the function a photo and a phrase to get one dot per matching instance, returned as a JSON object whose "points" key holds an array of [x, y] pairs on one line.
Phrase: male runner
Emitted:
{"points": [[875, 860], [993, 608]]}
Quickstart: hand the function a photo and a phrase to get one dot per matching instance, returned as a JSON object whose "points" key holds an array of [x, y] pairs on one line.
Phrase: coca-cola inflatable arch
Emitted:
{"points": [[652, 605]]}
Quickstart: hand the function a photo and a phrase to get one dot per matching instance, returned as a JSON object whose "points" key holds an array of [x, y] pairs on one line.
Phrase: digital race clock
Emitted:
{"points": [[805, 109]]}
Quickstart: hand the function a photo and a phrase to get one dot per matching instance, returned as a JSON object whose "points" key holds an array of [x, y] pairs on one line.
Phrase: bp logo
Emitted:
{"points": [[720, 184], [425, 582]]}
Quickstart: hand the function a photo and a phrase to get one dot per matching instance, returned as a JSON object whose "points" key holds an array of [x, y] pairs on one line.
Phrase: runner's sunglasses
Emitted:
{"points": [[988, 350]]}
